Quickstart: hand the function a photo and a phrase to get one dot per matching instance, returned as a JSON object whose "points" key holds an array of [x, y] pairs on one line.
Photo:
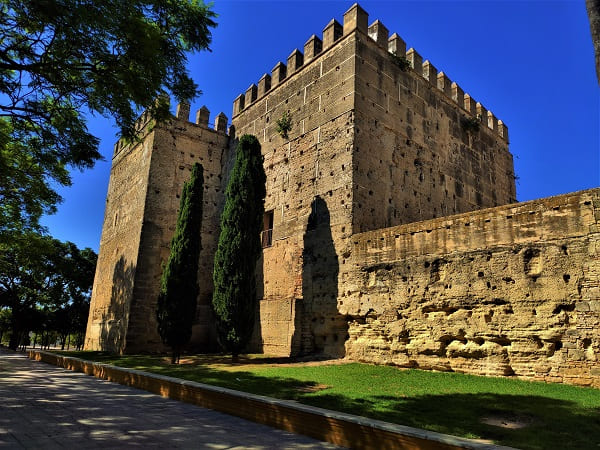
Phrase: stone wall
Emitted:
{"points": [[119, 245], [176, 148], [512, 290], [144, 192], [309, 179], [414, 157]]}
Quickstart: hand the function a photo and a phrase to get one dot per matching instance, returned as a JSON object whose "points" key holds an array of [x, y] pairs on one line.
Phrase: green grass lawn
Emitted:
{"points": [[550, 416]]}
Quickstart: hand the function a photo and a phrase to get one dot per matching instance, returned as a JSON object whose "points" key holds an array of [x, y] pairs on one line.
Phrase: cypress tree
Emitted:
{"points": [[239, 248], [176, 308]]}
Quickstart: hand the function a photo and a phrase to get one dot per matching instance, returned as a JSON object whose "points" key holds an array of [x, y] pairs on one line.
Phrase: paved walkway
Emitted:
{"points": [[42, 406]]}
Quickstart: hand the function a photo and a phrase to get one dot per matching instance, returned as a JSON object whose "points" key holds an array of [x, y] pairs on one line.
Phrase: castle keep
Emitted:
{"points": [[391, 229]]}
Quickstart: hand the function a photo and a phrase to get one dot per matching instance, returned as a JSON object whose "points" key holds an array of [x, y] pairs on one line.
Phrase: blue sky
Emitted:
{"points": [[530, 62]]}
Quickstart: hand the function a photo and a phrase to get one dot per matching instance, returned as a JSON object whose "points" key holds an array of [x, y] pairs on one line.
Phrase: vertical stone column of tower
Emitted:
{"points": [[309, 192], [119, 245], [141, 209]]}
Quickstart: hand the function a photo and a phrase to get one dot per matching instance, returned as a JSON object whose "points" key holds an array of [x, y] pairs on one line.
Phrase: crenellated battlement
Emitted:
{"points": [[182, 112], [145, 122], [356, 20]]}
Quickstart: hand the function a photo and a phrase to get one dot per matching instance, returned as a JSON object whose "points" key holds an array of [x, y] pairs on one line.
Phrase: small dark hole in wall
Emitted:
{"points": [[563, 307], [564, 249], [480, 274], [566, 277], [426, 264], [586, 342], [558, 345]]}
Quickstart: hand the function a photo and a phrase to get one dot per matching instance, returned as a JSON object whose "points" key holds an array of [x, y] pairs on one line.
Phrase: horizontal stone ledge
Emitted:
{"points": [[332, 426]]}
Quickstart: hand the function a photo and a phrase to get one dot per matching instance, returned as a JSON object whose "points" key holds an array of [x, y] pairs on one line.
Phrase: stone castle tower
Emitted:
{"points": [[386, 160]]}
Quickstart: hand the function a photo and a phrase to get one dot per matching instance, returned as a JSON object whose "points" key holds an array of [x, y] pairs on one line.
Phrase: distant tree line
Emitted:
{"points": [[45, 289]]}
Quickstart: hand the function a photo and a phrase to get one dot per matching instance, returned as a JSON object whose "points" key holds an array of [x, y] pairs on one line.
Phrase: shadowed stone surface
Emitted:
{"points": [[47, 407]]}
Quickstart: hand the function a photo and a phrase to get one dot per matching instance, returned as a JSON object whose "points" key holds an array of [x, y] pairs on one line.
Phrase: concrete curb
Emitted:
{"points": [[342, 429]]}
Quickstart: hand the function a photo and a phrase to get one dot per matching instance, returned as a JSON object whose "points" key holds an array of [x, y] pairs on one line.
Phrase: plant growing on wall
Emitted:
{"points": [[470, 124], [176, 307], [239, 247], [401, 62], [284, 125]]}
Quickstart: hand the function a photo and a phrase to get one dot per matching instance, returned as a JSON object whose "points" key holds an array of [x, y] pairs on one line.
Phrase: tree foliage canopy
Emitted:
{"points": [[239, 247], [59, 58], [176, 308]]}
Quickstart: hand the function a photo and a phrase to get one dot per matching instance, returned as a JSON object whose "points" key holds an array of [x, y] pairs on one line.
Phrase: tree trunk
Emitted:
{"points": [[13, 343], [593, 10]]}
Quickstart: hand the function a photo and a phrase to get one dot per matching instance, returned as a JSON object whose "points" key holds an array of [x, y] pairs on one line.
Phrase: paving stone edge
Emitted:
{"points": [[332, 426]]}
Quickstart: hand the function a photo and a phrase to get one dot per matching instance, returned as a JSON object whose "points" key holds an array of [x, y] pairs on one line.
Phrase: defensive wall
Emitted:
{"points": [[512, 290], [143, 198]]}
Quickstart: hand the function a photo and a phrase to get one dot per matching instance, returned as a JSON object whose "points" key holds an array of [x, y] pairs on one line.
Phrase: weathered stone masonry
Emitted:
{"points": [[368, 257], [511, 290], [141, 210]]}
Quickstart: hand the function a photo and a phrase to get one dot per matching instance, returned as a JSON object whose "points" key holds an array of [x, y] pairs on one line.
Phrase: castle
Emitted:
{"points": [[391, 229]]}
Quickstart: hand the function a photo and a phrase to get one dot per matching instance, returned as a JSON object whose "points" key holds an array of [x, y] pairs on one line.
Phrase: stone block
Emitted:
{"points": [[397, 46], [331, 33], [312, 48], [415, 60], [251, 95], [430, 72], [278, 73], [183, 111], [295, 61], [264, 85], [444, 84], [379, 33], [355, 18], [202, 116]]}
